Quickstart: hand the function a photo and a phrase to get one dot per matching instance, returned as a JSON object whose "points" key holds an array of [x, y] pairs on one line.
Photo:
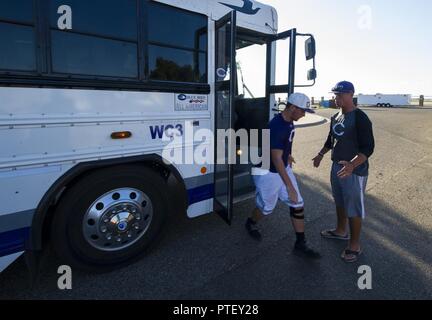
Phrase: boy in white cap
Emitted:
{"points": [[279, 182]]}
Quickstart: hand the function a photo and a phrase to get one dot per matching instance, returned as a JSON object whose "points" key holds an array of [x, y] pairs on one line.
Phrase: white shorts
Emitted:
{"points": [[270, 187]]}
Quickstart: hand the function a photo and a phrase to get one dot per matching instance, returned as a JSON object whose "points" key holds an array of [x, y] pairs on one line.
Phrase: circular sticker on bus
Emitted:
{"points": [[221, 72]]}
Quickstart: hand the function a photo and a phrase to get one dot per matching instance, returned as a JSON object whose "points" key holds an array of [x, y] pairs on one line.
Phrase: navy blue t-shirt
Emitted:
{"points": [[281, 138]]}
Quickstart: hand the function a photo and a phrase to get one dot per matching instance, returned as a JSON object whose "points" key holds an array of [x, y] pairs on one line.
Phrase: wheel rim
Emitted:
{"points": [[117, 219]]}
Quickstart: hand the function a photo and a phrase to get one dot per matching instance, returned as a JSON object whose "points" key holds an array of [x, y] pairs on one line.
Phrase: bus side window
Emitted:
{"points": [[103, 40], [17, 36], [177, 44]]}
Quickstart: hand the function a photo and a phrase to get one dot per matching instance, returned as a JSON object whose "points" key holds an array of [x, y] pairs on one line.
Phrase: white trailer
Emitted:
{"points": [[384, 100]]}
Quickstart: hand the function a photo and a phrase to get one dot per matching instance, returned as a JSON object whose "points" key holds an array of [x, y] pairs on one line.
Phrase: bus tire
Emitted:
{"points": [[110, 218]]}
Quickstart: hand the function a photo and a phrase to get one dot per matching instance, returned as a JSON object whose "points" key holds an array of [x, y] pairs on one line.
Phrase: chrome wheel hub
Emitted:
{"points": [[117, 219]]}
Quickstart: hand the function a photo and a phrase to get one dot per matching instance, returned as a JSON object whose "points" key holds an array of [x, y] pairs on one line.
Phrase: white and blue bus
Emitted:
{"points": [[87, 91]]}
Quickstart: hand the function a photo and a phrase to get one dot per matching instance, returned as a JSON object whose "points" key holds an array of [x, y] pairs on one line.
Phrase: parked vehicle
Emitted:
{"points": [[384, 100]]}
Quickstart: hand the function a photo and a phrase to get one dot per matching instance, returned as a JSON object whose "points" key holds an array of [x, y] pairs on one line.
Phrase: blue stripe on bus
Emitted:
{"points": [[201, 193], [13, 241]]}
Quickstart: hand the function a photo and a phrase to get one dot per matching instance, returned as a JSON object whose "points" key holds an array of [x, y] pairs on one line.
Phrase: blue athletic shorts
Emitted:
{"points": [[349, 193]]}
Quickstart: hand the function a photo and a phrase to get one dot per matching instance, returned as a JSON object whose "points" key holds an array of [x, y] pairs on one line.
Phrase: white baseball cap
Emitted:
{"points": [[301, 101]]}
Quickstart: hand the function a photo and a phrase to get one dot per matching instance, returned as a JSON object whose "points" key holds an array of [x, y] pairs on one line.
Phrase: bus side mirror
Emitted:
{"points": [[312, 74], [310, 49]]}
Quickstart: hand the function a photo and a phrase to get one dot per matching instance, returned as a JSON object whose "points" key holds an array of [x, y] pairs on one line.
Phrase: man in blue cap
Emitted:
{"points": [[352, 143]]}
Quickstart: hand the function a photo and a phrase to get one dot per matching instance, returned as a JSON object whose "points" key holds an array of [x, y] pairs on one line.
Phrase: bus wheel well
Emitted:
{"points": [[46, 210]]}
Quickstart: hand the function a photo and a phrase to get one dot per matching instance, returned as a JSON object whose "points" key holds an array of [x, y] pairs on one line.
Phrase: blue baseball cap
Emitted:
{"points": [[343, 87]]}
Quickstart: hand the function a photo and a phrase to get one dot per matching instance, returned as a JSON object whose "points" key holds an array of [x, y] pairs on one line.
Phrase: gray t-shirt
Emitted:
{"points": [[351, 134]]}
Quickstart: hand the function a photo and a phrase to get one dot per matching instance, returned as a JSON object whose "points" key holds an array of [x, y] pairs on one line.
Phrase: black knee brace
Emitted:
{"points": [[297, 213]]}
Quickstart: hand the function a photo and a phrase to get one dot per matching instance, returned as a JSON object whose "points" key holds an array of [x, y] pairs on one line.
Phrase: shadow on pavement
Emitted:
{"points": [[205, 259]]}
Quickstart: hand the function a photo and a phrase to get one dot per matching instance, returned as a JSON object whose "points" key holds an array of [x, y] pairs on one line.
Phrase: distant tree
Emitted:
{"points": [[169, 70]]}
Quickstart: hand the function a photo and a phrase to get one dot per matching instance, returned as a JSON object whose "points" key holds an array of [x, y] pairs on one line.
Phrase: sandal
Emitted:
{"points": [[330, 234], [350, 256]]}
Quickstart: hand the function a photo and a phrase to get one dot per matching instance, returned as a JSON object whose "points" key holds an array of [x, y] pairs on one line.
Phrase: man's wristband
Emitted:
{"points": [[321, 154]]}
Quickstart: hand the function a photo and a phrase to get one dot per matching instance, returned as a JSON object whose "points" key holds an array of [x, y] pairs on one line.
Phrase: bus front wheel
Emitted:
{"points": [[110, 218]]}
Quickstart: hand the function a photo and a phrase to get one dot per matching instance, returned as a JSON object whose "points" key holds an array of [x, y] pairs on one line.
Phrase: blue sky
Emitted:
{"points": [[389, 53]]}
